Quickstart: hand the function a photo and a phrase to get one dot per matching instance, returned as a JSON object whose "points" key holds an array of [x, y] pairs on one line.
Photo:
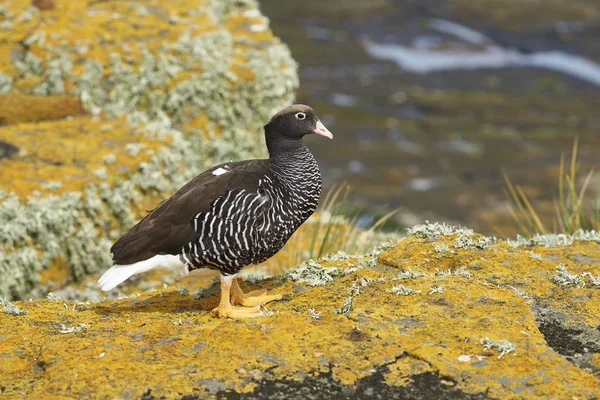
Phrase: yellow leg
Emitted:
{"points": [[226, 310], [251, 299]]}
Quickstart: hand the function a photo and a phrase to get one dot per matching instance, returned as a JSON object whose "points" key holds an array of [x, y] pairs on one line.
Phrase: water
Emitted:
{"points": [[428, 108], [426, 58]]}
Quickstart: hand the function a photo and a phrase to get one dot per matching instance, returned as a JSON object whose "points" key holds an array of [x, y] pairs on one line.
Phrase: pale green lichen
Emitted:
{"points": [[436, 289], [313, 314], [30, 64], [58, 69], [521, 294], [5, 83], [433, 230], [409, 274], [504, 347], [556, 240], [314, 274], [10, 308], [403, 290], [254, 276], [462, 271], [53, 297], [594, 280], [64, 328], [464, 240], [339, 256], [565, 278], [441, 248], [345, 308], [383, 247]]}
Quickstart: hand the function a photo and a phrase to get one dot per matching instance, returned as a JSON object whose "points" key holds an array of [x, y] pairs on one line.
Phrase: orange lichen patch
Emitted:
{"points": [[57, 274], [167, 342], [21, 27], [70, 152], [401, 370], [15, 108]]}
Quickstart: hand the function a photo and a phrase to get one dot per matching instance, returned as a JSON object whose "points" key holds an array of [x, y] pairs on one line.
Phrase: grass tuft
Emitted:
{"points": [[334, 235], [574, 210]]}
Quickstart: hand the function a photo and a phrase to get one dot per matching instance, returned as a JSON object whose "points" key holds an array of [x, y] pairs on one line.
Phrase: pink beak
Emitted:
{"points": [[321, 130]]}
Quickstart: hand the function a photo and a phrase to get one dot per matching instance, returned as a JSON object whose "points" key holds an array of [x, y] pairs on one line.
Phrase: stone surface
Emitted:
{"points": [[429, 344]]}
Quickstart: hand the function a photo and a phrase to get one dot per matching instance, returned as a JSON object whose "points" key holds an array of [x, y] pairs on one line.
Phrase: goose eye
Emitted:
{"points": [[300, 116]]}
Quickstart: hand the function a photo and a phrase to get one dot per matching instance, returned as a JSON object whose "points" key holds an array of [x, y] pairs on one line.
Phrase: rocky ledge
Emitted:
{"points": [[444, 313], [106, 107]]}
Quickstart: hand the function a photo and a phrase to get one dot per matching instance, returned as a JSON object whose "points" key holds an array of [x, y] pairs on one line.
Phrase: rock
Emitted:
{"points": [[108, 107], [509, 328]]}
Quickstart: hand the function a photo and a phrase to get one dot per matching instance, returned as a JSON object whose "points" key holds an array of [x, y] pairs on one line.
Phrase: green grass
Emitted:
{"points": [[575, 207]]}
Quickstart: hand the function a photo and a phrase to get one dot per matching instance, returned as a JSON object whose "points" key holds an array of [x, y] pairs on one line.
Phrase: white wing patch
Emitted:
{"points": [[220, 171]]}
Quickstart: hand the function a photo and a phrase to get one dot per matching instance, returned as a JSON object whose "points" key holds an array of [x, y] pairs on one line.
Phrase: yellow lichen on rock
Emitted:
{"points": [[69, 151], [464, 321], [73, 152]]}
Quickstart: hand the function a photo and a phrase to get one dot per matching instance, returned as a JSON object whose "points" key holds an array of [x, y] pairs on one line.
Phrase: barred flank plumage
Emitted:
{"points": [[232, 215], [244, 227]]}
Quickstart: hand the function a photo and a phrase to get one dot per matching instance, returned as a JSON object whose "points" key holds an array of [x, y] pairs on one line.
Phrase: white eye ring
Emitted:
{"points": [[300, 116]]}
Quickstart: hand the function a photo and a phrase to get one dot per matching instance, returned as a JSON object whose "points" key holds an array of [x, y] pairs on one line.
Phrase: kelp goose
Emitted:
{"points": [[230, 216]]}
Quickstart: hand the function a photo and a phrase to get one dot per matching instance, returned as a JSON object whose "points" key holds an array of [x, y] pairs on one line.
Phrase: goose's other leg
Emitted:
{"points": [[251, 299], [226, 309]]}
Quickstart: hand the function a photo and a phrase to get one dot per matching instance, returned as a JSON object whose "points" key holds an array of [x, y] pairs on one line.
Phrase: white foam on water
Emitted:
{"points": [[424, 60]]}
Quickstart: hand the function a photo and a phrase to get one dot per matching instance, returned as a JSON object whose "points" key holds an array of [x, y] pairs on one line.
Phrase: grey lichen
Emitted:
{"points": [[443, 272], [555, 240], [383, 247], [403, 290], [436, 289], [5, 83], [462, 271], [467, 243], [409, 274], [313, 314], [314, 274], [464, 240], [254, 276], [565, 278], [339, 256], [521, 294], [594, 280], [504, 347], [11, 309], [441, 248], [434, 230]]}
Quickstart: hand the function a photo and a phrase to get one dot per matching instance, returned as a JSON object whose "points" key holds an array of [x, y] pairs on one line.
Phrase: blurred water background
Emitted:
{"points": [[430, 100]]}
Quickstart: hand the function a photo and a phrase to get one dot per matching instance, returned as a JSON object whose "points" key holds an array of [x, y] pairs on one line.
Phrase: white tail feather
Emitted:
{"points": [[120, 273]]}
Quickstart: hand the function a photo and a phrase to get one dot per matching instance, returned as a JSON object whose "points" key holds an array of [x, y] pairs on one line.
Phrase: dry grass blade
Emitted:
{"points": [[571, 206], [332, 230]]}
